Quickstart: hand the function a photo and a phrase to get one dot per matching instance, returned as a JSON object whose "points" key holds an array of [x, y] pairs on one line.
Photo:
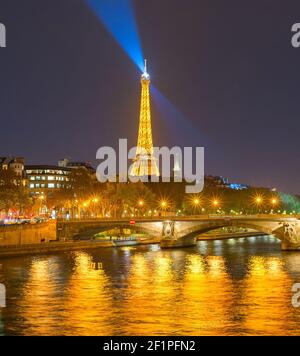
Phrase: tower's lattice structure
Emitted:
{"points": [[144, 163]]}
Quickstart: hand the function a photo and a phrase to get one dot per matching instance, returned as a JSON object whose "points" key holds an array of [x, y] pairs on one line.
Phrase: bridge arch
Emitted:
{"points": [[197, 230], [80, 229], [285, 229]]}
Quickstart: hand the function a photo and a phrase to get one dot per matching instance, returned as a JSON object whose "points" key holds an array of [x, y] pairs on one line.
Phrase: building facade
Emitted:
{"points": [[46, 179], [66, 163], [16, 164]]}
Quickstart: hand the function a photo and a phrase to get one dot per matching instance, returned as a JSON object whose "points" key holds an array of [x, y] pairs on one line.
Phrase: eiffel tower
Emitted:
{"points": [[144, 162]]}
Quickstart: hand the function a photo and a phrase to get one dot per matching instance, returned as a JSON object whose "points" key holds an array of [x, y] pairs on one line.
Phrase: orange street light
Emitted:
{"points": [[196, 201], [274, 201], [215, 202], [258, 200]]}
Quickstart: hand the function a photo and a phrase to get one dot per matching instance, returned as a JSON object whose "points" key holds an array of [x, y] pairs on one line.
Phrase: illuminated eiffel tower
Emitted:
{"points": [[144, 162]]}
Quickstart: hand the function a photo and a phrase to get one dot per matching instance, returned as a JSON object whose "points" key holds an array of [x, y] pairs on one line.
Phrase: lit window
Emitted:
{"points": [[50, 178], [31, 186], [32, 178], [51, 185]]}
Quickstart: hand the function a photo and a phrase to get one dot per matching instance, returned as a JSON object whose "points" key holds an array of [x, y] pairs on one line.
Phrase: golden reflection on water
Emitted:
{"points": [[266, 296], [207, 294], [147, 291], [85, 285], [38, 298]]}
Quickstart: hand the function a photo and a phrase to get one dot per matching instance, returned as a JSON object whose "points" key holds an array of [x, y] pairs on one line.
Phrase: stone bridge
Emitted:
{"points": [[182, 231]]}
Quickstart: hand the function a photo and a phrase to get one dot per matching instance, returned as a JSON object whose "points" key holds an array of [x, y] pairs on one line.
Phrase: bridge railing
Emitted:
{"points": [[188, 217]]}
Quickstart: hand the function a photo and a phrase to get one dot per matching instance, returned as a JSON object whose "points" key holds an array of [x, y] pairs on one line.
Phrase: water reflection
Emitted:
{"points": [[266, 297], [228, 287]]}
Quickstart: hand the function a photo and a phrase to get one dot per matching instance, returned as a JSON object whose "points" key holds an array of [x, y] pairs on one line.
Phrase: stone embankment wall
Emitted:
{"points": [[27, 234]]}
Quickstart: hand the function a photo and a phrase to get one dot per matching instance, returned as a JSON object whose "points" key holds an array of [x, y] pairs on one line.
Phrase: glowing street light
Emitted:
{"points": [[258, 200], [164, 206], [196, 201], [141, 203], [274, 201], [215, 202]]}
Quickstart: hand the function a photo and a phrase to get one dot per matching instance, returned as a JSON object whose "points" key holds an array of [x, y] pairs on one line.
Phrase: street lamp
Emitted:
{"points": [[258, 201], [274, 201], [196, 201], [163, 205], [140, 204], [215, 202], [41, 198], [95, 201]]}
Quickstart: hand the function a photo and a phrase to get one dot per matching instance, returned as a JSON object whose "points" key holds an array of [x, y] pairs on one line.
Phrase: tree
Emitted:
{"points": [[14, 195]]}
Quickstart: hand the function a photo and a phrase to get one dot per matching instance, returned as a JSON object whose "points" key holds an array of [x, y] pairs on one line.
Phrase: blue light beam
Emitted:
{"points": [[183, 131], [118, 18]]}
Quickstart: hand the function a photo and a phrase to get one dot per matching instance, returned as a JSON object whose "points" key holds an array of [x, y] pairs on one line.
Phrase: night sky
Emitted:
{"points": [[227, 68]]}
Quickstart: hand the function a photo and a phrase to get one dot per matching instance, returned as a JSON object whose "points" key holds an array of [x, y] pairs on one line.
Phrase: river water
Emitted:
{"points": [[230, 287]]}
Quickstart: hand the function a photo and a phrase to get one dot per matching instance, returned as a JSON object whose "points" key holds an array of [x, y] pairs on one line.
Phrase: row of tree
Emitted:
{"points": [[85, 197]]}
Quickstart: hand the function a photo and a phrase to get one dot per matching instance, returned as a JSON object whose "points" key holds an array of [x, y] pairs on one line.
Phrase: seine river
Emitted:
{"points": [[229, 287]]}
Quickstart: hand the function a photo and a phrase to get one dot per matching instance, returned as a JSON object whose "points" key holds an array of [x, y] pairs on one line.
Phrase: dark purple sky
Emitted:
{"points": [[228, 66]]}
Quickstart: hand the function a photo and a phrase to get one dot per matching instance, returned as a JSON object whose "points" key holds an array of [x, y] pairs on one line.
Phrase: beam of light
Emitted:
{"points": [[118, 18], [180, 126]]}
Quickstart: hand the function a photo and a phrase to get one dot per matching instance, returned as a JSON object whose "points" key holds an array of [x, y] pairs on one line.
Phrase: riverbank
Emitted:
{"points": [[59, 246], [65, 246]]}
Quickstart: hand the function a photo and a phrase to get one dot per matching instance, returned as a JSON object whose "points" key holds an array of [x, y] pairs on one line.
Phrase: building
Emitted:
{"points": [[46, 179], [66, 163], [222, 183], [16, 164], [145, 163]]}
